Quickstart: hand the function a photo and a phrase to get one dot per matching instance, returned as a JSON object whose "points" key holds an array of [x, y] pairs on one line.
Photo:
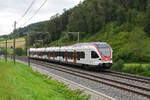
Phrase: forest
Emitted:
{"points": [[123, 24]]}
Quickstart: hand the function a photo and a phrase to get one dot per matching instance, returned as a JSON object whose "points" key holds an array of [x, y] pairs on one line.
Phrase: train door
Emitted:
{"points": [[66, 57], [75, 57], [53, 55], [48, 55]]}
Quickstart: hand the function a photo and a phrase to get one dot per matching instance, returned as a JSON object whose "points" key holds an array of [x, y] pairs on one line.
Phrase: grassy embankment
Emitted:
{"points": [[19, 82], [142, 69]]}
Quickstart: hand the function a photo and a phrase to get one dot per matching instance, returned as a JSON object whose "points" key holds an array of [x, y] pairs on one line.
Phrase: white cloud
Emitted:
{"points": [[11, 10]]}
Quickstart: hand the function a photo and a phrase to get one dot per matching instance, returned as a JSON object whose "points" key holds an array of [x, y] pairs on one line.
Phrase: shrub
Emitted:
{"points": [[147, 68], [139, 69], [38, 45], [145, 74], [118, 65], [19, 51], [2, 51]]}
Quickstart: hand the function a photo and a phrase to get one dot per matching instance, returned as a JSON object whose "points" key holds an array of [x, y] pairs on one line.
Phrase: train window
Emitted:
{"points": [[37, 53], [78, 55], [82, 55], [61, 54], [50, 53], [65, 54], [56, 54], [69, 55], [40, 53], [45, 53], [94, 54]]}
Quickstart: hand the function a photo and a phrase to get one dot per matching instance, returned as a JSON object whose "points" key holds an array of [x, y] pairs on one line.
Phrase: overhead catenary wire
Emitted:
{"points": [[26, 11], [35, 13]]}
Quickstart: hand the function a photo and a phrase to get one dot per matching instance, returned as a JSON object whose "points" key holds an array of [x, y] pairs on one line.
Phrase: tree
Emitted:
{"points": [[2, 51], [136, 40], [119, 13], [77, 20], [147, 21], [19, 51]]}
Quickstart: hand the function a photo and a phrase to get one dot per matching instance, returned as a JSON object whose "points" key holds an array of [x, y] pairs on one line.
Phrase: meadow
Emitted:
{"points": [[19, 82], [142, 69], [19, 44]]}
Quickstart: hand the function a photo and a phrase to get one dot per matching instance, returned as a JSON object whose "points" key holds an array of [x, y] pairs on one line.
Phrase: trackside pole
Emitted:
{"points": [[28, 50], [14, 47], [6, 51], [29, 57]]}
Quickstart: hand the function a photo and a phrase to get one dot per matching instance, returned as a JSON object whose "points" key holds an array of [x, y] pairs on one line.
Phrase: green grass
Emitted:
{"points": [[137, 68], [19, 82], [142, 69], [137, 64]]}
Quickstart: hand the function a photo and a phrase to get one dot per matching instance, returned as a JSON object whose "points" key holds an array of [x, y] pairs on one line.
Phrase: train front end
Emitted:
{"points": [[105, 55]]}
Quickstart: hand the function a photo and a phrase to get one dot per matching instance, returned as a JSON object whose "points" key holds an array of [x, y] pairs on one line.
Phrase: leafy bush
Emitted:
{"points": [[133, 69], [38, 45], [139, 69], [19, 51], [2, 51], [146, 73], [118, 65]]}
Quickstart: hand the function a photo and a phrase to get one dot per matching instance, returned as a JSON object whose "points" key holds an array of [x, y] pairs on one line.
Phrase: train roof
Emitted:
{"points": [[81, 44], [77, 46]]}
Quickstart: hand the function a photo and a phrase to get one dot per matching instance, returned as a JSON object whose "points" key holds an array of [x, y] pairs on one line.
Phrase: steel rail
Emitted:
{"points": [[92, 77], [84, 75], [129, 76]]}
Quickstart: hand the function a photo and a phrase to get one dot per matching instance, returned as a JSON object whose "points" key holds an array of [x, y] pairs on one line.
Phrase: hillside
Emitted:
{"points": [[20, 32], [124, 24]]}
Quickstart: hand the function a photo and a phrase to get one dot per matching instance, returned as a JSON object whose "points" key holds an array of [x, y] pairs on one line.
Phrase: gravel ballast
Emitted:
{"points": [[102, 88]]}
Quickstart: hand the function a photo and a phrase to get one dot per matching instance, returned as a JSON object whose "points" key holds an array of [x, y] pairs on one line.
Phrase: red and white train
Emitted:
{"points": [[94, 54]]}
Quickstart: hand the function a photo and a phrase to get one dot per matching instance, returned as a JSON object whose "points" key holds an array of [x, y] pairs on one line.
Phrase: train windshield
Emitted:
{"points": [[104, 50]]}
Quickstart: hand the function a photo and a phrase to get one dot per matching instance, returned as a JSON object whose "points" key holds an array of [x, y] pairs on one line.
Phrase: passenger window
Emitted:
{"points": [[81, 55], [70, 55], [94, 55]]}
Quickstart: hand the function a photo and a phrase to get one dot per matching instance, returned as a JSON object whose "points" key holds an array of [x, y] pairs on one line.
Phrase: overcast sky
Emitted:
{"points": [[12, 10]]}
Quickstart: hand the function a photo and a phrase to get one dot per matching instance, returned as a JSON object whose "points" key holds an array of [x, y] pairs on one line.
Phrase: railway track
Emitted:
{"points": [[129, 76], [110, 78]]}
